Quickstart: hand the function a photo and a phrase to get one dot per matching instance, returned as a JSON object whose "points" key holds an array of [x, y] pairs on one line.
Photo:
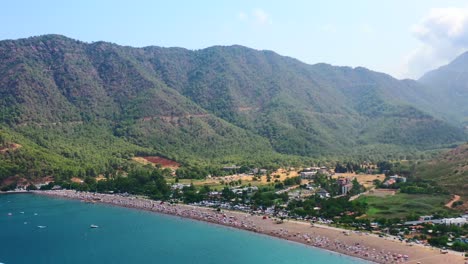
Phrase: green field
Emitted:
{"points": [[402, 205]]}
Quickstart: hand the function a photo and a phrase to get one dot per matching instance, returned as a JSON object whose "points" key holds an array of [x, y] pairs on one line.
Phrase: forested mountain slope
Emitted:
{"points": [[215, 105], [450, 84], [450, 170]]}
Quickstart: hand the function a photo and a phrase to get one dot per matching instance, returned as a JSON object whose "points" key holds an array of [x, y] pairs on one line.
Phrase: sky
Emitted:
{"points": [[404, 38]]}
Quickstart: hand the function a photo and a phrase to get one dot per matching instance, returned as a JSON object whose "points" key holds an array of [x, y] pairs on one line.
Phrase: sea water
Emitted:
{"points": [[132, 236]]}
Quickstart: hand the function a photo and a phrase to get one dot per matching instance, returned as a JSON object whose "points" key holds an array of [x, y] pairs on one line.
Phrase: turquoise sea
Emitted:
{"points": [[132, 236]]}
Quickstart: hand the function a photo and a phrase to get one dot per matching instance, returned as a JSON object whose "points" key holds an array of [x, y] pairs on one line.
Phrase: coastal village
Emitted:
{"points": [[317, 195]]}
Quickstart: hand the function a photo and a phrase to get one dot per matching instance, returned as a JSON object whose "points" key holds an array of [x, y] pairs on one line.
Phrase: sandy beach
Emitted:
{"points": [[356, 244]]}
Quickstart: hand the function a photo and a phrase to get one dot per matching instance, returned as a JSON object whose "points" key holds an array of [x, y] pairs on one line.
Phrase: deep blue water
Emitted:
{"points": [[132, 236]]}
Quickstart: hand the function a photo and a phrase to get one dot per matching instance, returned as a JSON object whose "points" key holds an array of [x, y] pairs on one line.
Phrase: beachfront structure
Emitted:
{"points": [[215, 194], [458, 221]]}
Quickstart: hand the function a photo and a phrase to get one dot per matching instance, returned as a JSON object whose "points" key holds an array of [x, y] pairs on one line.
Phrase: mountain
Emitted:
{"points": [[450, 170], [449, 84], [302, 109], [90, 106]]}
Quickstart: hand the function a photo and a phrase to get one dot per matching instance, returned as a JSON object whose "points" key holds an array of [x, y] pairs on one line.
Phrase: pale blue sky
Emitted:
{"points": [[402, 38]]}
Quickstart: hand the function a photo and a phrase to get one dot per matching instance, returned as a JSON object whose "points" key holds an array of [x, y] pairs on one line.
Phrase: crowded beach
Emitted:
{"points": [[356, 244]]}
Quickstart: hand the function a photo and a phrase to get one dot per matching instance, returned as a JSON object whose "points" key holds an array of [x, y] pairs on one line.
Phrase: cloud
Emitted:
{"points": [[256, 17], [443, 35], [261, 17]]}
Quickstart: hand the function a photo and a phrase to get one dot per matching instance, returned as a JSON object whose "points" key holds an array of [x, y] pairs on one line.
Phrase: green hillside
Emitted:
{"points": [[77, 107], [305, 109], [450, 170], [450, 84]]}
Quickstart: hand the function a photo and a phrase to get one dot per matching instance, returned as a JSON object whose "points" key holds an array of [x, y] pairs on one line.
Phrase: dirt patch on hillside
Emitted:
{"points": [[10, 147], [22, 182], [76, 180], [100, 177], [454, 199], [156, 160], [14, 179]]}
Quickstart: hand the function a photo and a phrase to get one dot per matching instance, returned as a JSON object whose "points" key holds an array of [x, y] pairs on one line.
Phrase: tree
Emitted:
{"points": [[227, 194], [31, 187]]}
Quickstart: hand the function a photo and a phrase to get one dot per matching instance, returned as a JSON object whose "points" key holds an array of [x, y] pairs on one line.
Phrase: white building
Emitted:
{"points": [[398, 178], [308, 174], [459, 221]]}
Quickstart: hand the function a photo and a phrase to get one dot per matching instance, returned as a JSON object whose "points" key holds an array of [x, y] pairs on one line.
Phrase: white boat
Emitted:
{"points": [[42, 226], [93, 226]]}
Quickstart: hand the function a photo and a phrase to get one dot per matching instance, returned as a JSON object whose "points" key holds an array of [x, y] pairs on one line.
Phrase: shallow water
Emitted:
{"points": [[132, 236]]}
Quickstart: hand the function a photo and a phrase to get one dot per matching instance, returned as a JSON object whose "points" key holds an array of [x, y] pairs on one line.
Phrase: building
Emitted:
{"points": [[425, 217], [389, 182], [394, 179], [233, 167], [398, 178], [308, 175], [179, 186], [459, 221], [345, 185], [215, 194], [249, 189], [322, 193], [258, 171]]}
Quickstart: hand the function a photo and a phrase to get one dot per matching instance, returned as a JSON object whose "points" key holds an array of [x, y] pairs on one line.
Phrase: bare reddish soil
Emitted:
{"points": [[162, 161], [22, 182], [11, 180]]}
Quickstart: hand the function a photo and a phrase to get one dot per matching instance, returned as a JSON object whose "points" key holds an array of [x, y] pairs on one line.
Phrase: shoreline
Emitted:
{"points": [[13, 192], [338, 241]]}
